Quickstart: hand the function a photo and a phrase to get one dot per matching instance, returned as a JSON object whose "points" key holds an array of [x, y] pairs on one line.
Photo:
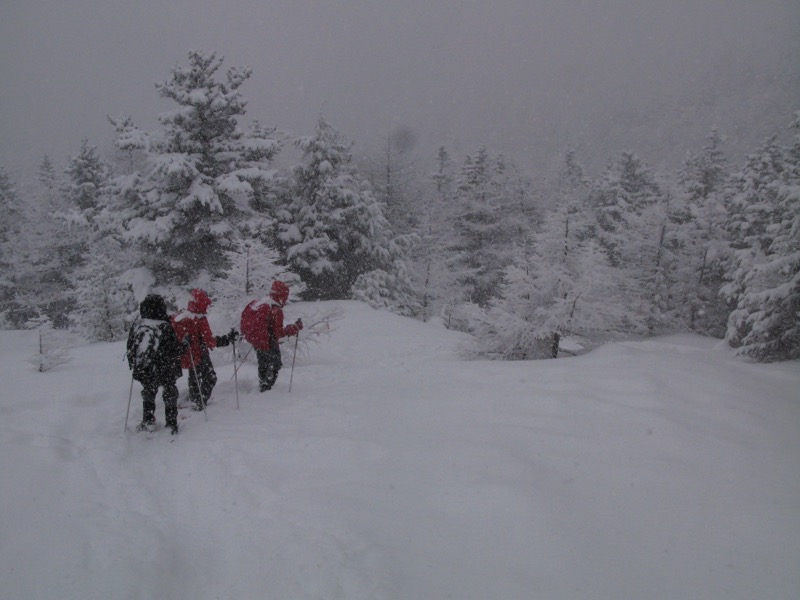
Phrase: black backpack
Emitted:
{"points": [[143, 349]]}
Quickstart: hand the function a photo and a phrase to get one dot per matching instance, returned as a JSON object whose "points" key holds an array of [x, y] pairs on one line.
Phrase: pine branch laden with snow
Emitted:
{"points": [[318, 327]]}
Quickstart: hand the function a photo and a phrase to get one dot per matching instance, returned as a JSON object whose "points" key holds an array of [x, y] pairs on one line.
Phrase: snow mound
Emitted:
{"points": [[657, 469]]}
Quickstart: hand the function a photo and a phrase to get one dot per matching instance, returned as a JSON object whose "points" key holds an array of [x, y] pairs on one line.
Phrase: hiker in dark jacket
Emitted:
{"points": [[154, 355]]}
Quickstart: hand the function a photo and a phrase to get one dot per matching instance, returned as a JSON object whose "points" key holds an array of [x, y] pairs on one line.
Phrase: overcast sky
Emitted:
{"points": [[527, 77]]}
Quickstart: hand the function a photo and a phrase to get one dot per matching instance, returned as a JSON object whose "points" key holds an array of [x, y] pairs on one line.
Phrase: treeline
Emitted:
{"points": [[479, 243]]}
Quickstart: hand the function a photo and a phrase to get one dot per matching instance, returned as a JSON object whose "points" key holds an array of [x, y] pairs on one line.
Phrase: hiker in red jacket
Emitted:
{"points": [[262, 326], [191, 322]]}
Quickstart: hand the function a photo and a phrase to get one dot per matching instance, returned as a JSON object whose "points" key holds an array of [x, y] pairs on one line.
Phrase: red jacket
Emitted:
{"points": [[262, 322], [195, 325]]}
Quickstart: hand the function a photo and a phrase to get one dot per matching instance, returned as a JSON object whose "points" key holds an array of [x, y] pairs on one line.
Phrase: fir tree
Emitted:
{"points": [[562, 286], [334, 230], [87, 178], [628, 225], [439, 285], [184, 207], [48, 179], [10, 227], [697, 236], [484, 226], [103, 303], [765, 324]]}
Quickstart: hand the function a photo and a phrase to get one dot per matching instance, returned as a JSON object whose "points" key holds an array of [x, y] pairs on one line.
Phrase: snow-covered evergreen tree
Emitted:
{"points": [[44, 253], [485, 224], [628, 224], [334, 230], [84, 194], [392, 174], [48, 178], [86, 179], [619, 199], [91, 251], [765, 224], [182, 211], [104, 304], [437, 283], [696, 235], [562, 285], [10, 227]]}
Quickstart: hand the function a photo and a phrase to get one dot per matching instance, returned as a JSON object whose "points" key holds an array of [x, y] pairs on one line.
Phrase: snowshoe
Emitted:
{"points": [[149, 426]]}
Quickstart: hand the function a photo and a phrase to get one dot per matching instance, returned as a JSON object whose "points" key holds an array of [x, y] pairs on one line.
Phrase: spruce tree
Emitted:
{"points": [[104, 305], [438, 284], [485, 226], [334, 230], [10, 228], [696, 235], [182, 209], [765, 232], [626, 202]]}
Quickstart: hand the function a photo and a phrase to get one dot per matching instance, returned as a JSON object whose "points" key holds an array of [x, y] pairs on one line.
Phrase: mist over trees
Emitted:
{"points": [[521, 260]]}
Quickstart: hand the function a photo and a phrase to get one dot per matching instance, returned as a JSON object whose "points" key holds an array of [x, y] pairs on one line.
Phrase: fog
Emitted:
{"points": [[526, 77]]}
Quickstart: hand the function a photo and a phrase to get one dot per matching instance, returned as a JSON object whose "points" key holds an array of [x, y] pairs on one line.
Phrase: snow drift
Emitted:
{"points": [[659, 469]]}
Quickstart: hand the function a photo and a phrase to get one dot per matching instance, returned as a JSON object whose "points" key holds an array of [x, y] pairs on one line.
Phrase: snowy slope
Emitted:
{"points": [[393, 470]]}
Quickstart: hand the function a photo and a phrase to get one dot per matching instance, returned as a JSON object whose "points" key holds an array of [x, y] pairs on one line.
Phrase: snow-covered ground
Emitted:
{"points": [[392, 470]]}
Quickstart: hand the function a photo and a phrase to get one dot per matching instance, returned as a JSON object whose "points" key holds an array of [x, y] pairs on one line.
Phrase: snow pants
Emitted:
{"points": [[202, 380], [170, 397], [269, 363]]}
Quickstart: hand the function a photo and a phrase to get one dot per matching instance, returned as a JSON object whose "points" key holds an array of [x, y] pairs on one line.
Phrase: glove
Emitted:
{"points": [[222, 341], [233, 335], [299, 324]]}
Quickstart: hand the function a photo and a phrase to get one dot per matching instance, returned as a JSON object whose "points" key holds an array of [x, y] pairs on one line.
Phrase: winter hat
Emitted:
{"points": [[200, 302], [154, 307], [279, 292]]}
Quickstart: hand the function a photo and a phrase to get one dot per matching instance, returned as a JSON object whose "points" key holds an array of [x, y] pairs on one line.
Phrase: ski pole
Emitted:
{"points": [[294, 355], [241, 362], [235, 377], [128, 412], [197, 379]]}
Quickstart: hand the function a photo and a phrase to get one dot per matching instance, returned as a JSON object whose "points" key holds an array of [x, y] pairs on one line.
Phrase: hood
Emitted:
{"points": [[279, 292], [153, 307], [199, 303]]}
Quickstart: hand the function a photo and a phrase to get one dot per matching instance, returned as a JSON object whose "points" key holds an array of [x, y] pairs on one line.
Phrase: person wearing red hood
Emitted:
{"points": [[192, 323], [262, 326]]}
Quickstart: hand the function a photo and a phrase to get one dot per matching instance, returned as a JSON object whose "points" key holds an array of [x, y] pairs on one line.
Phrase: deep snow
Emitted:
{"points": [[392, 470]]}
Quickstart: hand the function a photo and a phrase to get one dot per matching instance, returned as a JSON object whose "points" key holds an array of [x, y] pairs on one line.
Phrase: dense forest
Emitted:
{"points": [[216, 199]]}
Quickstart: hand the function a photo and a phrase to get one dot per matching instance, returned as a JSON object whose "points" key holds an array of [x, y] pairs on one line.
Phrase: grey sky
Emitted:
{"points": [[528, 77]]}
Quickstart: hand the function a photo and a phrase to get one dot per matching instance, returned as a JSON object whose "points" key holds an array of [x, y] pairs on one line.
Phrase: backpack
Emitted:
{"points": [[256, 325], [143, 349]]}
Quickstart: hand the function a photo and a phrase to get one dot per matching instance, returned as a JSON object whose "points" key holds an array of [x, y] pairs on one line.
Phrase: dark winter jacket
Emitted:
{"points": [[153, 349]]}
